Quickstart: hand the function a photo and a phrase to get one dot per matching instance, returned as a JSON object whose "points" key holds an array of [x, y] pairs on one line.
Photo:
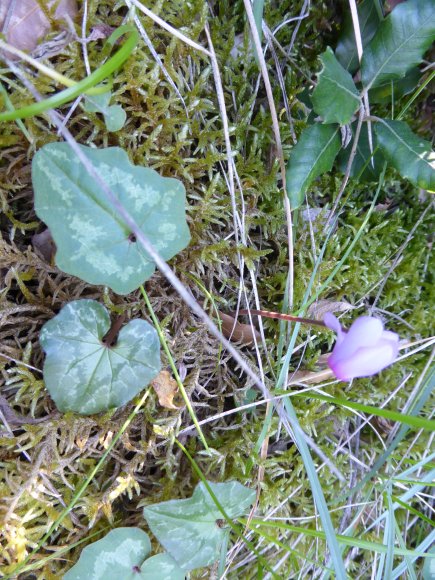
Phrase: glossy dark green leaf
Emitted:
{"points": [[313, 155], [187, 528], [394, 90], [335, 97], [400, 42], [123, 555], [362, 166], [93, 241], [369, 19], [409, 154], [84, 375]]}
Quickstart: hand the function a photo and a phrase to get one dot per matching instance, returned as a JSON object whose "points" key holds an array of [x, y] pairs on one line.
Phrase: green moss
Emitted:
{"points": [[42, 464]]}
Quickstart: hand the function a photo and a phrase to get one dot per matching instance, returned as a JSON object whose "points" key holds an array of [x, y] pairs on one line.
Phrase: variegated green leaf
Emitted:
{"points": [[93, 242], [114, 115], [84, 375], [123, 555], [187, 528]]}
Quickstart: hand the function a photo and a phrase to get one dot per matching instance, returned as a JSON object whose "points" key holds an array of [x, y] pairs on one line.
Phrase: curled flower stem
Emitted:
{"points": [[280, 316]]}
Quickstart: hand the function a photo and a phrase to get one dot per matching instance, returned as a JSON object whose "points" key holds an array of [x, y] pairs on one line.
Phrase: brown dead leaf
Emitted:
{"points": [[321, 307], [238, 332], [44, 245], [166, 388], [310, 377], [24, 23]]}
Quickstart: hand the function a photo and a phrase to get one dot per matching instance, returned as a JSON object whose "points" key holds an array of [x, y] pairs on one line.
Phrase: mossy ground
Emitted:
{"points": [[42, 463]]}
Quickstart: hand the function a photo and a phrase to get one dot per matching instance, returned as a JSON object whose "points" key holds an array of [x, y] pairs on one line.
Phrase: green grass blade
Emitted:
{"points": [[173, 367], [78, 494], [411, 420], [345, 540], [417, 405], [69, 94]]}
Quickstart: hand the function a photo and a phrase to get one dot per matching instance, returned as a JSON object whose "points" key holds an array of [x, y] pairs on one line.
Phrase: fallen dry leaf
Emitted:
{"points": [[44, 245], [166, 388], [238, 332], [310, 377], [23, 22], [321, 307]]}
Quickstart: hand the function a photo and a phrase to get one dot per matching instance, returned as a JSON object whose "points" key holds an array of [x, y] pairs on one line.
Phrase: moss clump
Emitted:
{"points": [[43, 462]]}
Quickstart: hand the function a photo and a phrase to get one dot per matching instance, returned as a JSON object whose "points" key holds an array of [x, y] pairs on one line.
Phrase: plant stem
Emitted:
{"points": [[280, 316]]}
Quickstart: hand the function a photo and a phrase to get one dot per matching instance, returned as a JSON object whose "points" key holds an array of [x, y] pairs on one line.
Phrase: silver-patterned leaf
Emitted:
{"points": [[84, 375], [120, 555], [93, 242], [188, 528]]}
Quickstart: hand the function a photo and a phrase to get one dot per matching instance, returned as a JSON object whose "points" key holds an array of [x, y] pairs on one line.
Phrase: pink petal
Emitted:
{"points": [[366, 361], [333, 323], [366, 331]]}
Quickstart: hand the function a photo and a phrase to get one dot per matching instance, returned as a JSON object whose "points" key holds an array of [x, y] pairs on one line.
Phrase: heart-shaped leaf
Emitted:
{"points": [[313, 155], [400, 42], [188, 528], [93, 242], [335, 97], [120, 555], [346, 51], [409, 154], [114, 115], [81, 373]]}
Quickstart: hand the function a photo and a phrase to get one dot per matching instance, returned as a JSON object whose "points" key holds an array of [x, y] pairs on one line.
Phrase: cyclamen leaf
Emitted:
{"points": [[93, 242], [187, 528], [84, 375], [313, 155], [369, 19], [400, 42], [411, 156], [114, 115], [120, 555], [335, 97]]}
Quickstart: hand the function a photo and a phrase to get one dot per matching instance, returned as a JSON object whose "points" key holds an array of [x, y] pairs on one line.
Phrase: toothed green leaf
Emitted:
{"points": [[335, 97], [369, 19], [400, 42], [409, 154], [313, 155]]}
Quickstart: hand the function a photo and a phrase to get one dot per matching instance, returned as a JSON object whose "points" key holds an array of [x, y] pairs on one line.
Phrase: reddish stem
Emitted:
{"points": [[279, 316]]}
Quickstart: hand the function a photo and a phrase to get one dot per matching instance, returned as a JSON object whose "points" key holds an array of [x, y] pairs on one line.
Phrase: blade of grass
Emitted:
{"points": [[414, 511], [419, 402], [69, 94], [411, 420], [46, 70], [78, 494], [345, 540], [410, 568], [173, 366], [235, 528], [426, 544]]}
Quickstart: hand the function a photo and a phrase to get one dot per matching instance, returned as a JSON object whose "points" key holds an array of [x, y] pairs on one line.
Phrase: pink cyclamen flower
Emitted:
{"points": [[364, 350]]}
